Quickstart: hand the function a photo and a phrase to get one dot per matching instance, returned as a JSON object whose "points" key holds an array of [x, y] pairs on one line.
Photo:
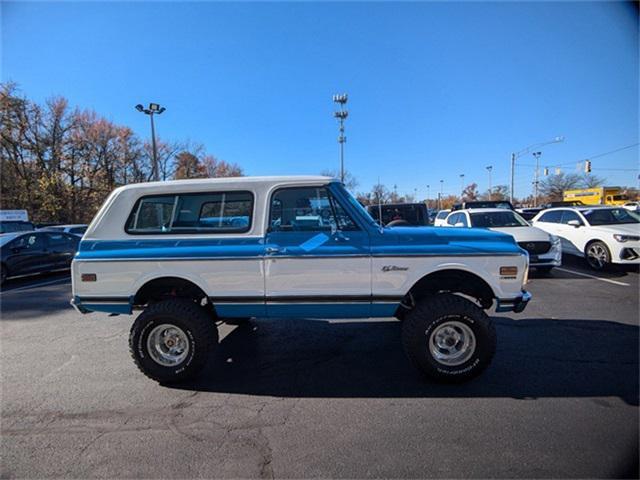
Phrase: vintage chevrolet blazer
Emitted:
{"points": [[191, 253]]}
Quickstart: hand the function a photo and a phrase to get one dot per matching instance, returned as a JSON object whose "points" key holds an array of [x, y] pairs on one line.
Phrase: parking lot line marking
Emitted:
{"points": [[30, 287], [615, 282]]}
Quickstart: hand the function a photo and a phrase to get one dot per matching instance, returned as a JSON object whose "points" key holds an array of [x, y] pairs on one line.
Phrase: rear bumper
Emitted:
{"points": [[117, 305], [515, 305]]}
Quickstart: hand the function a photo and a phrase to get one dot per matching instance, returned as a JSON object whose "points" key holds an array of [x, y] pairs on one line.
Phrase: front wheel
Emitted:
{"points": [[448, 338], [171, 340], [598, 256]]}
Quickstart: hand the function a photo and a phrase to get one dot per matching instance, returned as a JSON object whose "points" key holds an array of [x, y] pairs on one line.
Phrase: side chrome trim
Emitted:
{"points": [[163, 259], [310, 299], [282, 257]]}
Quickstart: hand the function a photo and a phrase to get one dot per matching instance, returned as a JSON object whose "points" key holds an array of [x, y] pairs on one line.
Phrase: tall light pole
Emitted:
{"points": [[429, 193], [489, 168], [440, 195], [154, 109], [537, 155], [461, 185], [524, 151], [341, 115]]}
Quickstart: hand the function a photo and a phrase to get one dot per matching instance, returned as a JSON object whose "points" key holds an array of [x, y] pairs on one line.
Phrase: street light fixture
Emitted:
{"points": [[154, 109], [341, 115]]}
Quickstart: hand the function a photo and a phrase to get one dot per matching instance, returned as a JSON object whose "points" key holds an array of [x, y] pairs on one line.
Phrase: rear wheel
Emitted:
{"points": [[3, 274], [171, 340], [598, 255], [544, 270], [449, 338]]}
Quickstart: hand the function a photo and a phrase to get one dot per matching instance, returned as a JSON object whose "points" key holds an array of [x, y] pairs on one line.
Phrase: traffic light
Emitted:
{"points": [[587, 166]]}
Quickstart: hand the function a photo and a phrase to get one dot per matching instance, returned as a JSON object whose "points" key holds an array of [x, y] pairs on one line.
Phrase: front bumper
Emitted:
{"points": [[552, 258], [515, 305]]}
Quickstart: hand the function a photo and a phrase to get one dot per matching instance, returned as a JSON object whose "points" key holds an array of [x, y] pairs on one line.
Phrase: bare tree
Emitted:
{"points": [[470, 192], [591, 181], [219, 168], [350, 181], [553, 186], [189, 165]]}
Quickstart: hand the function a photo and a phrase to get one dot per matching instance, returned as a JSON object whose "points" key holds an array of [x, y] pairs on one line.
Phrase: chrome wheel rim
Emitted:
{"points": [[597, 256], [168, 345], [452, 343]]}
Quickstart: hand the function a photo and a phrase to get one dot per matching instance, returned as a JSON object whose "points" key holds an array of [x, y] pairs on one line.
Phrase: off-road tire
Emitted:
{"points": [[544, 270], [196, 322], [3, 274], [435, 310], [604, 255]]}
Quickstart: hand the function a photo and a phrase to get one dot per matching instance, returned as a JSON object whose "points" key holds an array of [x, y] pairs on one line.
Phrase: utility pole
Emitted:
{"points": [[524, 151], [461, 185], [489, 168], [156, 109], [513, 171], [428, 195], [440, 195], [537, 175], [341, 115]]}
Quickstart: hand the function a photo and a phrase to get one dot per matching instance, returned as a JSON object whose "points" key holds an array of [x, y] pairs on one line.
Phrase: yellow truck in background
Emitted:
{"points": [[597, 196]]}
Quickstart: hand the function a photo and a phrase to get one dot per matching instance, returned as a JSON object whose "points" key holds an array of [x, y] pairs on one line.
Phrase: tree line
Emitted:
{"points": [[59, 163]]}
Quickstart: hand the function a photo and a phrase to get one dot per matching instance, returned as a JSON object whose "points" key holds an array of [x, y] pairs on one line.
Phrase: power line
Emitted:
{"points": [[618, 169], [587, 158]]}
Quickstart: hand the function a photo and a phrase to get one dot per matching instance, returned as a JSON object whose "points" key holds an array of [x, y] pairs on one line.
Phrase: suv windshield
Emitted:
{"points": [[497, 219], [610, 216], [357, 205]]}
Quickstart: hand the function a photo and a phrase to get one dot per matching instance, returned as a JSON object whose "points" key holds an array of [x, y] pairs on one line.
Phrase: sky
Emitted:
{"points": [[436, 89]]}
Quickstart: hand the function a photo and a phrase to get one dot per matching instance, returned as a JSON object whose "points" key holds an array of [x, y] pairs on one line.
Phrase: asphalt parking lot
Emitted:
{"points": [[286, 398]]}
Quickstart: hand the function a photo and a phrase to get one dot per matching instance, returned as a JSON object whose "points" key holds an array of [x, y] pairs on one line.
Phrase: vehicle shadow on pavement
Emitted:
{"points": [[35, 297], [535, 358], [581, 265]]}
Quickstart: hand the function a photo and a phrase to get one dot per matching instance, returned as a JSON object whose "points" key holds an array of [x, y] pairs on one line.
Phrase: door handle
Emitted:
{"points": [[271, 250]]}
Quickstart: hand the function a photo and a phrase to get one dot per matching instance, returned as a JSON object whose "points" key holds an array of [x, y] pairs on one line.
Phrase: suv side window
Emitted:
{"points": [[219, 212], [453, 219], [303, 209], [553, 216], [570, 215]]}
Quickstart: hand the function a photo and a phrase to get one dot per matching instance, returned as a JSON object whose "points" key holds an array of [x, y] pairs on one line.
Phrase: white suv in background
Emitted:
{"points": [[545, 251], [604, 235], [440, 218]]}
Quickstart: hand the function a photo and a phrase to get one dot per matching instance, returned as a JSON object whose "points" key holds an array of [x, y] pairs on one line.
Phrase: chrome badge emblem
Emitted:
{"points": [[394, 268]]}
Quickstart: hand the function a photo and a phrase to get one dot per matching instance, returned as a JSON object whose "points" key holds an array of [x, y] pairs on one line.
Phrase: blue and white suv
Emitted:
{"points": [[187, 253]]}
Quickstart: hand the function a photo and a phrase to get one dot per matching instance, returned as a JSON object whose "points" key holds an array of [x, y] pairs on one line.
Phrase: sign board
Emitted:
{"points": [[14, 216]]}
